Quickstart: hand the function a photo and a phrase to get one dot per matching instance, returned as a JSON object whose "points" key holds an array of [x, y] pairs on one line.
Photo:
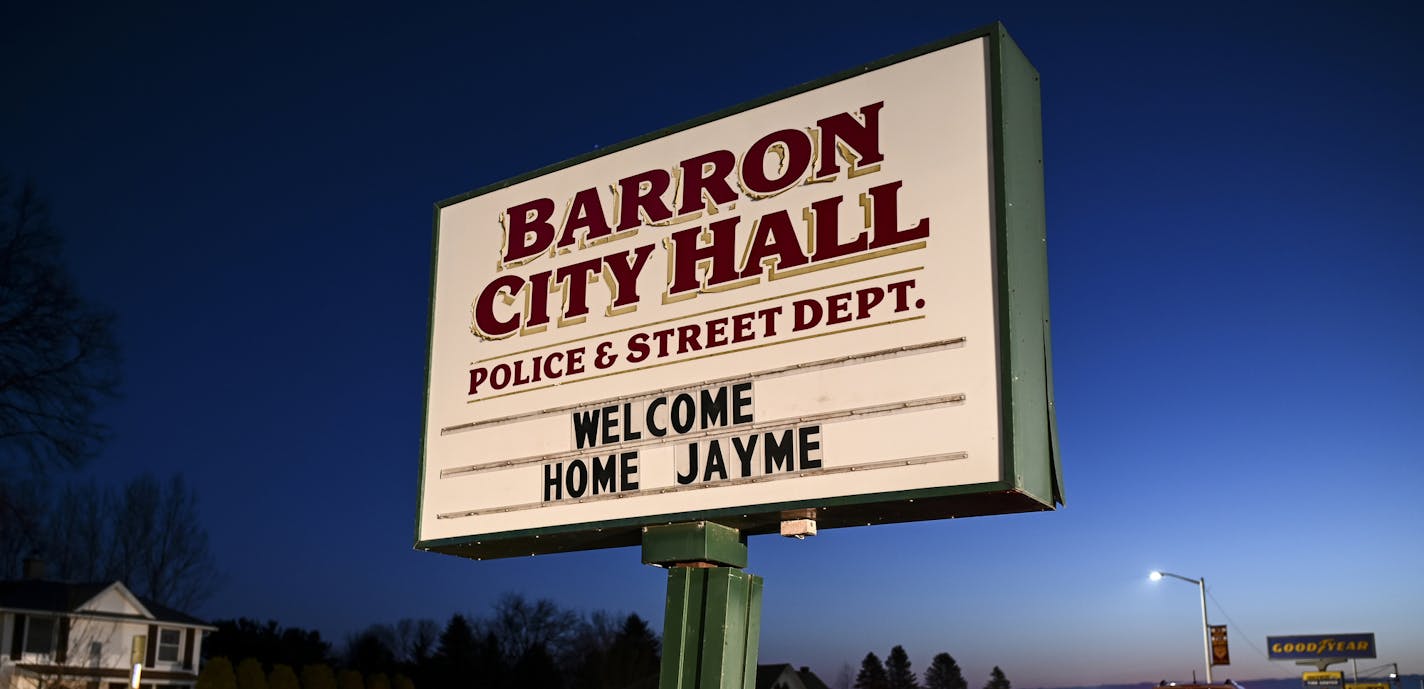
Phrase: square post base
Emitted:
{"points": [[713, 620]]}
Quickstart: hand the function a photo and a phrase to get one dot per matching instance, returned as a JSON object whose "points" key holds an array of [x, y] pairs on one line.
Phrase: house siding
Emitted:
{"points": [[95, 646]]}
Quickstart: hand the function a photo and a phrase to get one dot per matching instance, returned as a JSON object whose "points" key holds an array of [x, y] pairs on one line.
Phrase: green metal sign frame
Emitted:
{"points": [[1030, 474]]}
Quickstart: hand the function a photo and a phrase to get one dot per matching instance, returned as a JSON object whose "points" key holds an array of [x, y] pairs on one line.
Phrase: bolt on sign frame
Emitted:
{"points": [[832, 301]]}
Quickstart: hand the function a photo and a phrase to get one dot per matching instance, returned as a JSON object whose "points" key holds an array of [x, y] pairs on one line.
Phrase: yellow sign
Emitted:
{"points": [[1367, 685], [139, 649], [1322, 680]]}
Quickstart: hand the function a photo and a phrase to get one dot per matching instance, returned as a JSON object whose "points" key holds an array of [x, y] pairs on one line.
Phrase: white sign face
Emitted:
{"points": [[792, 304]]}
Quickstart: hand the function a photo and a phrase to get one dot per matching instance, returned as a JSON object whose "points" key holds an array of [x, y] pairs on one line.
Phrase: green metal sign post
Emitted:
{"points": [[713, 619]]}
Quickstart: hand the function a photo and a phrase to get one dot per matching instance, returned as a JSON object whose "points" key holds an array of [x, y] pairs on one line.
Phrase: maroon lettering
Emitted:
{"points": [[826, 240], [585, 213], [575, 278], [706, 175], [838, 308], [773, 244], [886, 218], [686, 252], [624, 268], [486, 323], [537, 311], [642, 196], [861, 140], [795, 158], [529, 232]]}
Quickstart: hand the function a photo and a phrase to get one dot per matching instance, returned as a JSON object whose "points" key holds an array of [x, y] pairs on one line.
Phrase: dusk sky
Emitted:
{"points": [[1236, 256]]}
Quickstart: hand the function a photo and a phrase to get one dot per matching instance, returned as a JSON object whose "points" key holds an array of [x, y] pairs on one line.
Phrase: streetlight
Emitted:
{"points": [[1206, 631]]}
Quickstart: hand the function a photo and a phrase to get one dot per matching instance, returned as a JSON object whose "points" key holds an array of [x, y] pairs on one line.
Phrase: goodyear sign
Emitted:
{"points": [[1321, 646]]}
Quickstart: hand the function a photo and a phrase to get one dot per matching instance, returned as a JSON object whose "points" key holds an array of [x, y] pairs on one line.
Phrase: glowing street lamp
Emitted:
{"points": [[1206, 631]]}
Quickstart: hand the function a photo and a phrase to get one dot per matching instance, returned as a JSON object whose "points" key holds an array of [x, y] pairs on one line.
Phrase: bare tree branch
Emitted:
{"points": [[58, 357]]}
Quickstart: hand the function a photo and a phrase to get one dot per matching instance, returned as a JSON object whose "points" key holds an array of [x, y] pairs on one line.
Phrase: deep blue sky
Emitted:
{"points": [[1236, 235]]}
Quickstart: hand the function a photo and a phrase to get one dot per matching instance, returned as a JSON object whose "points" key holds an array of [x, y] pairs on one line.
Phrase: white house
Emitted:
{"points": [[90, 636], [785, 676]]}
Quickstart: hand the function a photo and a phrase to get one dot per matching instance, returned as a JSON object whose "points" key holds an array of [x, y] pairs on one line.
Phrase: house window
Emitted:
{"points": [[168, 642], [39, 637]]}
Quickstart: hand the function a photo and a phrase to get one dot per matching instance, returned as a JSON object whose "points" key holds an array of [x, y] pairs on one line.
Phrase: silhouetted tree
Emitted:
{"points": [[22, 510], [160, 547], [250, 675], [415, 641], [370, 652], [58, 359], [297, 646], [944, 673], [535, 669], [78, 532], [456, 654], [318, 676], [283, 677], [268, 642], [589, 651], [490, 664], [997, 680], [521, 626], [872, 674], [897, 670], [632, 656], [147, 535]]}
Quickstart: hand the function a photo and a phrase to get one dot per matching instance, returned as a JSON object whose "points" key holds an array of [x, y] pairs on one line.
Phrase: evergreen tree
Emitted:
{"points": [[283, 677], [632, 656], [268, 642], [535, 669], [250, 675], [318, 676], [370, 651], [350, 679], [997, 680], [589, 651], [944, 673], [489, 663], [217, 674], [456, 654], [897, 670], [872, 674]]}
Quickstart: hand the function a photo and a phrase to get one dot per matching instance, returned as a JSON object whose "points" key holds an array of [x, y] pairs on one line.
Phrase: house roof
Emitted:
{"points": [[62, 596], [767, 675], [811, 680]]}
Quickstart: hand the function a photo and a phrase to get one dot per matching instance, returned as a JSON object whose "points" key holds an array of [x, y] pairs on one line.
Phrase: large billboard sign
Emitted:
{"points": [[834, 300], [1316, 646]]}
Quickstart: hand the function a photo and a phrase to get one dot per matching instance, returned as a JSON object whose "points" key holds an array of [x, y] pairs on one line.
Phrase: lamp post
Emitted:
{"points": [[1206, 631]]}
